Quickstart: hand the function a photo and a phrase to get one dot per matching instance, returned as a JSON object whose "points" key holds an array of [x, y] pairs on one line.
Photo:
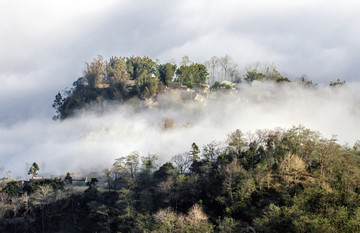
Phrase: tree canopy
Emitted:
{"points": [[292, 180], [121, 79], [33, 169]]}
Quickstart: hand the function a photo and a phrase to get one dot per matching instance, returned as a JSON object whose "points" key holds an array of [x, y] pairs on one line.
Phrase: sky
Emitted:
{"points": [[45, 44]]}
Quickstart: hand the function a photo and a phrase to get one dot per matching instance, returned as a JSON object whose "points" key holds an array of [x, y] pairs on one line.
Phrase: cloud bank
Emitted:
{"points": [[93, 140]]}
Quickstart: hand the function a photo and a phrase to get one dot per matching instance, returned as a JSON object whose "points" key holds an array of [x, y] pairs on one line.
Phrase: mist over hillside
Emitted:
{"points": [[179, 120], [92, 139]]}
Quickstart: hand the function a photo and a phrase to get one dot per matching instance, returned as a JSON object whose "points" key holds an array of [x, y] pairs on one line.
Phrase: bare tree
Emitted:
{"points": [[211, 151], [292, 167], [185, 61], [212, 66], [222, 68], [166, 220], [17, 203], [197, 221], [183, 161], [42, 197], [228, 67]]}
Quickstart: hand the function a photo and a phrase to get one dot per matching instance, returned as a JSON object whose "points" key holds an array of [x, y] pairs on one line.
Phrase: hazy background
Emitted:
{"points": [[44, 45]]}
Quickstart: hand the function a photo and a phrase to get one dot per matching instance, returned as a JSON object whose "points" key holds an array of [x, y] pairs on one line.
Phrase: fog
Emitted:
{"points": [[93, 139]]}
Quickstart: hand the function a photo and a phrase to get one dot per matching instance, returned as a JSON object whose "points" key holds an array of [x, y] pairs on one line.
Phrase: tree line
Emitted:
{"points": [[291, 180], [124, 79]]}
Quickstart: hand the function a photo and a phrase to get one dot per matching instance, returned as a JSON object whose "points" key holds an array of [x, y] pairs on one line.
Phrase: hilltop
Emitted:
{"points": [[124, 79]]}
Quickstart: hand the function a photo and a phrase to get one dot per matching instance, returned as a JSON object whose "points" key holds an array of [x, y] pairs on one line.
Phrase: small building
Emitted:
{"points": [[79, 179], [36, 179]]}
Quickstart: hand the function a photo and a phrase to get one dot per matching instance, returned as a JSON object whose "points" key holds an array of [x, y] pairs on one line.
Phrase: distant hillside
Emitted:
{"points": [[121, 79]]}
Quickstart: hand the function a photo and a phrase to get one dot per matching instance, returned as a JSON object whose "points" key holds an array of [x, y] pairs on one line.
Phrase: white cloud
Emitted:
{"points": [[92, 141]]}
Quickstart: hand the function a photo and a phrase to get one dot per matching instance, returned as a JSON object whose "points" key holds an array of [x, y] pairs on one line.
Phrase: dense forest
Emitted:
{"points": [[121, 79], [133, 79], [291, 180]]}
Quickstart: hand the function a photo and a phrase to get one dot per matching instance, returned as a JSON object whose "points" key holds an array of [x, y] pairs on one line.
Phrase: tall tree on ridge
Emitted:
{"points": [[33, 170], [94, 72]]}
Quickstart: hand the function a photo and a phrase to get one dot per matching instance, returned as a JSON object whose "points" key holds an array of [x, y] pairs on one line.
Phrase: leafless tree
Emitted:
{"points": [[42, 197], [228, 67], [183, 161]]}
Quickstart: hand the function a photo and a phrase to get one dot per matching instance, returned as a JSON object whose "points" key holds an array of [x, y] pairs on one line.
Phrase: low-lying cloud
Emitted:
{"points": [[93, 139]]}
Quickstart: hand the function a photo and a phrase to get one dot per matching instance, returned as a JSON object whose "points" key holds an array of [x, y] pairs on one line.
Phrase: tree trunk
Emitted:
{"points": [[73, 210], [43, 218], [15, 224]]}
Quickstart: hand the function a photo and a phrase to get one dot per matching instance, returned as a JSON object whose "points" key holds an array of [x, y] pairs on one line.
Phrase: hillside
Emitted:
{"points": [[271, 181], [132, 79], [268, 180]]}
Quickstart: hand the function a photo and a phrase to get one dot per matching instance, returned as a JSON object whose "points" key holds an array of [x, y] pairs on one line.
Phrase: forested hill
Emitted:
{"points": [[121, 79], [272, 181]]}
